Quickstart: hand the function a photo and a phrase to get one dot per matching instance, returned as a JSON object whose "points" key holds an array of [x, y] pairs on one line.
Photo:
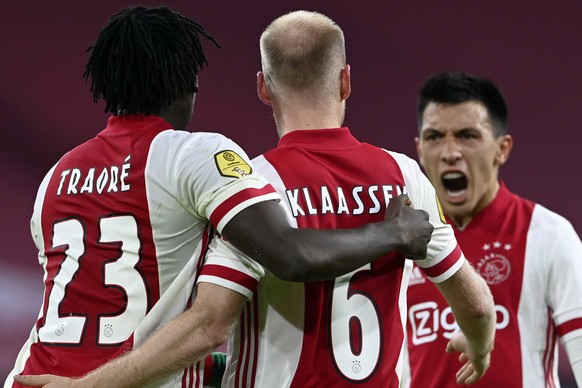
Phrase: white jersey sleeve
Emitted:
{"points": [[559, 247], [444, 256], [228, 267], [223, 181]]}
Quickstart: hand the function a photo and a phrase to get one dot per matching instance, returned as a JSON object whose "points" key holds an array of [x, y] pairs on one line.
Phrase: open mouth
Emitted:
{"points": [[455, 183]]}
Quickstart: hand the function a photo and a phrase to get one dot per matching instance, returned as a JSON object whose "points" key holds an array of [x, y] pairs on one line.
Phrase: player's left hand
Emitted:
{"points": [[47, 381]]}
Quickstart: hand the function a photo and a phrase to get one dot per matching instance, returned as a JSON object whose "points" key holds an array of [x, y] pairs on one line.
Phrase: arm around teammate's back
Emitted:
{"points": [[262, 232]]}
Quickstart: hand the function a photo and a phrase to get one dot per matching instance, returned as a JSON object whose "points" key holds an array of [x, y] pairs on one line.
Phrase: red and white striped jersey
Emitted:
{"points": [[348, 331], [531, 258], [120, 223]]}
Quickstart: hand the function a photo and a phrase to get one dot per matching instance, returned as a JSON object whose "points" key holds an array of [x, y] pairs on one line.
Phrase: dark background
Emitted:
{"points": [[530, 49]]}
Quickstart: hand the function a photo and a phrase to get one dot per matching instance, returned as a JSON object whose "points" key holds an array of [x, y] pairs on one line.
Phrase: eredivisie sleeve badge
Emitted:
{"points": [[231, 164]]}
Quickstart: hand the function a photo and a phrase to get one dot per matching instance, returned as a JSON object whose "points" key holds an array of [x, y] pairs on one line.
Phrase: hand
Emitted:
{"points": [[47, 381], [475, 365], [413, 225]]}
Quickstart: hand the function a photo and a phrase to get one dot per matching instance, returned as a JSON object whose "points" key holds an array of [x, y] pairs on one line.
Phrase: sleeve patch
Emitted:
{"points": [[230, 164]]}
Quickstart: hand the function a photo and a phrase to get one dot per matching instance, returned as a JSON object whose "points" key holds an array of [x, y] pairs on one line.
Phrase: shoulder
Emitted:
{"points": [[401, 159], [260, 161], [194, 144], [552, 235], [191, 138], [541, 217], [409, 167], [547, 220]]}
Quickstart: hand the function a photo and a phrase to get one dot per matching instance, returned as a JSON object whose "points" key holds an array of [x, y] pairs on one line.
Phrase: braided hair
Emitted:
{"points": [[144, 59]]}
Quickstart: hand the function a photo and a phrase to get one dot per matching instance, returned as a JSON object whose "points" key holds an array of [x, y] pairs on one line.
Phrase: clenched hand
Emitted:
{"points": [[413, 224]]}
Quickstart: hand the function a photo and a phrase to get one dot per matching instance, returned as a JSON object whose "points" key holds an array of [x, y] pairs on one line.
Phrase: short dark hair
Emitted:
{"points": [[144, 59], [456, 88]]}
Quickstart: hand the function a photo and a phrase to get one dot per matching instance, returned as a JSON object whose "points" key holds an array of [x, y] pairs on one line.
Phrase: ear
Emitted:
{"points": [[505, 144], [262, 90], [345, 83], [419, 151]]}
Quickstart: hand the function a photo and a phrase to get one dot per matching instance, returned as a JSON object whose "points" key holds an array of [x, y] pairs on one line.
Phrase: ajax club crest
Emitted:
{"points": [[494, 267]]}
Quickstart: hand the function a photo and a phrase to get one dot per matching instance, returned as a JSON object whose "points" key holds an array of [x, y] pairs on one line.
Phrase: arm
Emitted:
{"points": [[472, 304], [263, 233], [185, 339]]}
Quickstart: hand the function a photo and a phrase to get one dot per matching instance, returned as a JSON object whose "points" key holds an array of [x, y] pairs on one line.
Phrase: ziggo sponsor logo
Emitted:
{"points": [[427, 321]]}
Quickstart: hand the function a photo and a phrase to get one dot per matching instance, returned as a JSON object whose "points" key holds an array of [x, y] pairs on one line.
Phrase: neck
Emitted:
{"points": [[461, 220], [304, 117]]}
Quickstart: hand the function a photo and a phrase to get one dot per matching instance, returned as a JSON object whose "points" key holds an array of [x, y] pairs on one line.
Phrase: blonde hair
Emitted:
{"points": [[302, 52]]}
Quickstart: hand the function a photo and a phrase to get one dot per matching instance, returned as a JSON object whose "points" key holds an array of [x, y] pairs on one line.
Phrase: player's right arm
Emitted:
{"points": [[263, 233], [472, 305]]}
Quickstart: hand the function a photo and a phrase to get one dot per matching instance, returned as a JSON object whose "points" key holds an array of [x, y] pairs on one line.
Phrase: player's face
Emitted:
{"points": [[461, 157]]}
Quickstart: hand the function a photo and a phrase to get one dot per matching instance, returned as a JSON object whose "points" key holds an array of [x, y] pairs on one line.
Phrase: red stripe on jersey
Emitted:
{"points": [[238, 198], [241, 350], [550, 375], [548, 359], [246, 362], [444, 264], [206, 237], [194, 377], [198, 375], [248, 344], [204, 246], [569, 326], [190, 385], [230, 274], [255, 322]]}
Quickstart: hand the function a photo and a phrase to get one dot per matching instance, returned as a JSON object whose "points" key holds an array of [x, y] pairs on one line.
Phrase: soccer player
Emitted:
{"points": [[122, 221], [348, 331], [530, 257]]}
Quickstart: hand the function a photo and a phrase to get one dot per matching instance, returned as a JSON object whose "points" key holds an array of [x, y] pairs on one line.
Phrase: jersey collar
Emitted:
{"points": [[136, 122], [321, 139], [492, 213]]}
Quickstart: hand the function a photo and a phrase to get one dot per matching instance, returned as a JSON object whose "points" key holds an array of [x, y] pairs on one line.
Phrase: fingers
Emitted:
{"points": [[463, 357], [472, 379], [425, 215], [397, 203], [467, 375], [456, 343]]}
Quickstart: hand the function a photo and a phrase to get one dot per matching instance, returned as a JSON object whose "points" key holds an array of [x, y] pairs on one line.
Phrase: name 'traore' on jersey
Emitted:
{"points": [[109, 179]]}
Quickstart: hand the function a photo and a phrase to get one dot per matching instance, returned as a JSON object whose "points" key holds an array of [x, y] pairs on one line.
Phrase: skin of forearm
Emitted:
{"points": [[473, 307], [478, 322], [181, 342], [352, 249], [314, 255], [263, 233]]}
